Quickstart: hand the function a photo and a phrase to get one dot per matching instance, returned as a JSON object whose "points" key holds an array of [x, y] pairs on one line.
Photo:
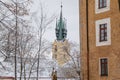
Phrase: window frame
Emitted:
{"points": [[104, 67], [103, 32], [102, 4], [99, 8], [97, 24]]}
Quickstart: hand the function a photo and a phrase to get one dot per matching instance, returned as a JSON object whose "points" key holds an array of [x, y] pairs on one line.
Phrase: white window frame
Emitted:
{"points": [[100, 10], [102, 21]]}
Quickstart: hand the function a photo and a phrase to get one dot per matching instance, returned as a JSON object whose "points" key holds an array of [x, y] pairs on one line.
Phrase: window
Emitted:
{"points": [[104, 67], [102, 4], [103, 32], [55, 48]]}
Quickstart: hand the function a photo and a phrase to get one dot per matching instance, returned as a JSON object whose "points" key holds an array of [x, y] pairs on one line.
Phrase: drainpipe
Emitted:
{"points": [[87, 26]]}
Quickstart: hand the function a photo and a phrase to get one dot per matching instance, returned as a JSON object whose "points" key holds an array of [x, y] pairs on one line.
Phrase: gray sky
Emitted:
{"points": [[70, 12]]}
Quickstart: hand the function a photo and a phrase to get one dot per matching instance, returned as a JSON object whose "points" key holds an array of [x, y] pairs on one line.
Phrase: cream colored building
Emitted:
{"points": [[100, 39]]}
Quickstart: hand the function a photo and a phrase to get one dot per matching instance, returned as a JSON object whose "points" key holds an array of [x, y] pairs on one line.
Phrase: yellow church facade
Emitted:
{"points": [[100, 39]]}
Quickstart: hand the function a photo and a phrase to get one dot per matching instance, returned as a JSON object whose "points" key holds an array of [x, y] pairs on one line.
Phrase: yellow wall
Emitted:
{"points": [[61, 55]]}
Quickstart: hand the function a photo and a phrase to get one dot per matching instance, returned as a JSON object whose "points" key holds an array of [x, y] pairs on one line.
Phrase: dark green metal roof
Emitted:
{"points": [[61, 31]]}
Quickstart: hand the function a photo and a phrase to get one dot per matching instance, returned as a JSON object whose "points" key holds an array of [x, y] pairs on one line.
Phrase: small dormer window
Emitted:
{"points": [[102, 4]]}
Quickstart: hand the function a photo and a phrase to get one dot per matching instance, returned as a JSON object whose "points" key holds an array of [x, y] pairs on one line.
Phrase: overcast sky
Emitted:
{"points": [[70, 12]]}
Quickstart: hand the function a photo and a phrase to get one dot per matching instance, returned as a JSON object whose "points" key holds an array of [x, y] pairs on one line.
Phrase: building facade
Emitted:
{"points": [[100, 39], [61, 46]]}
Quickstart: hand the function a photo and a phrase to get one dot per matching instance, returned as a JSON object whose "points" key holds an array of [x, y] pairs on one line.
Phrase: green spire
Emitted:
{"points": [[61, 13], [61, 31]]}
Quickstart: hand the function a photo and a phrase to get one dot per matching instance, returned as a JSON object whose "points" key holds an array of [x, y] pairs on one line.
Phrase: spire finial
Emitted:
{"points": [[61, 11], [61, 4]]}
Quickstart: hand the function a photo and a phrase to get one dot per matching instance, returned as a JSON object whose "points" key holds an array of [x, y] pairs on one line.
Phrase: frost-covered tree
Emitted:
{"points": [[19, 44], [42, 22], [11, 21], [72, 68]]}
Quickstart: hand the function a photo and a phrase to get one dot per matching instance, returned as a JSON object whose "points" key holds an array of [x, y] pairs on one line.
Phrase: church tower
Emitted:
{"points": [[61, 47]]}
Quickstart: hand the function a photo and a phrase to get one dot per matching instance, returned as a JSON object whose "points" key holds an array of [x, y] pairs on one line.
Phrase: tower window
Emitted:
{"points": [[55, 48], [104, 67], [102, 4], [103, 32]]}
